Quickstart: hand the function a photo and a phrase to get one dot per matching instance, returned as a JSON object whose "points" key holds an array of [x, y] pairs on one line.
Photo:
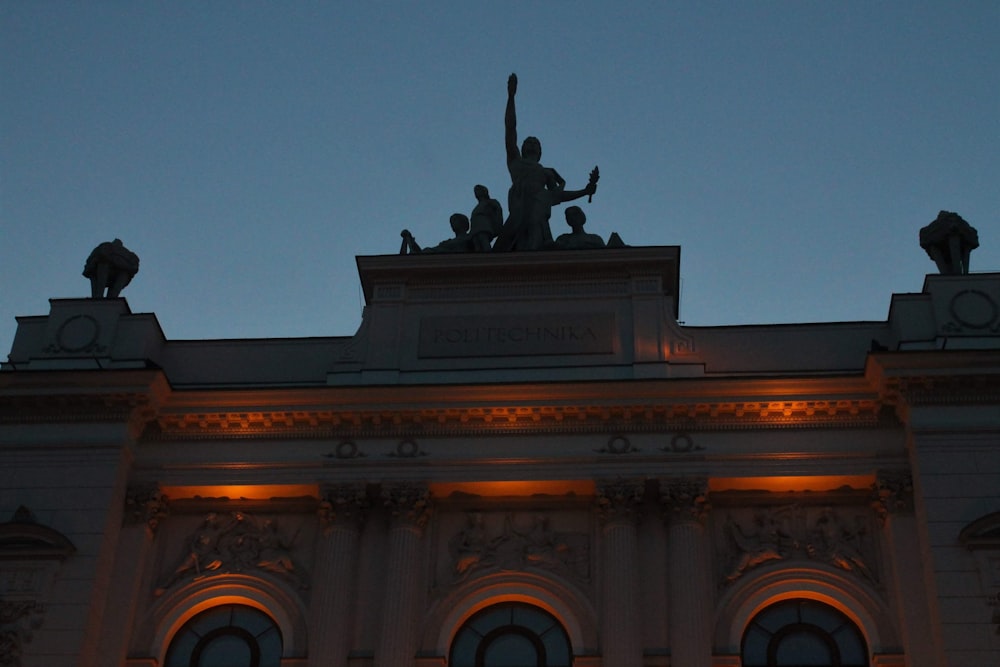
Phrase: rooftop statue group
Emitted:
{"points": [[534, 190]]}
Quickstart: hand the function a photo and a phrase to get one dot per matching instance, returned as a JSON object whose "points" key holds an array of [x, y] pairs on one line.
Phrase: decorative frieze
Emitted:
{"points": [[235, 542], [841, 537], [517, 542], [572, 417]]}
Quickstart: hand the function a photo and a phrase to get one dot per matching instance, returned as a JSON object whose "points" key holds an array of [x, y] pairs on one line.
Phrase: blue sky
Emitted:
{"points": [[247, 151]]}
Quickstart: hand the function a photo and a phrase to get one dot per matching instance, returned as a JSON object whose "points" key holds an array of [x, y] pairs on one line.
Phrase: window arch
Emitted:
{"points": [[231, 635], [511, 635], [803, 633]]}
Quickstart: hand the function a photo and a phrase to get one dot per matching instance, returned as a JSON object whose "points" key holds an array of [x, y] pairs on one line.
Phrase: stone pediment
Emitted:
{"points": [[597, 314]]}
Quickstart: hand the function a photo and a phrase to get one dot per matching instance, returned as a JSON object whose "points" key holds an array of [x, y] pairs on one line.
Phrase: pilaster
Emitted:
{"points": [[690, 590], [618, 504], [408, 506], [922, 642], [145, 507], [342, 513]]}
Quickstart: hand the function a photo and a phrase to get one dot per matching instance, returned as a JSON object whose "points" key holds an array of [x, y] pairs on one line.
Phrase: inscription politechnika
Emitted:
{"points": [[542, 334]]}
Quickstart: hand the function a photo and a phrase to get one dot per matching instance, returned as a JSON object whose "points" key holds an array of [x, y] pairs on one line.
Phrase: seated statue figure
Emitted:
{"points": [[110, 266], [461, 242], [577, 239], [949, 241]]}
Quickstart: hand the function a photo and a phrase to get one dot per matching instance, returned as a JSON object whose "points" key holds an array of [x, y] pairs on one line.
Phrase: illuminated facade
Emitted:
{"points": [[518, 459]]}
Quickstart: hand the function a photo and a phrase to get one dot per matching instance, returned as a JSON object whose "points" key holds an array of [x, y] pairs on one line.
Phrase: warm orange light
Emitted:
{"points": [[791, 483], [520, 488], [247, 491]]}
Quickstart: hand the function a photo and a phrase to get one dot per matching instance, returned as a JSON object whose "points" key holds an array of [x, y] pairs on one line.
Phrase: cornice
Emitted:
{"points": [[89, 396], [627, 407], [959, 377]]}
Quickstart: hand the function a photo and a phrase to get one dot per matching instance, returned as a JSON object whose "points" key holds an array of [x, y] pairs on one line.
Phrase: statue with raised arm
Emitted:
{"points": [[110, 266], [534, 189]]}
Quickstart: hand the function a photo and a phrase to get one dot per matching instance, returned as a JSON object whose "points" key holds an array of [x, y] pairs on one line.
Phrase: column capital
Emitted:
{"points": [[145, 503], [685, 498], [342, 506], [618, 500], [892, 493], [409, 503]]}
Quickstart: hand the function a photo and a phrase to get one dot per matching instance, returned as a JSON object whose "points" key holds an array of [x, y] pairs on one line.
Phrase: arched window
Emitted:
{"points": [[511, 635], [803, 633], [231, 635]]}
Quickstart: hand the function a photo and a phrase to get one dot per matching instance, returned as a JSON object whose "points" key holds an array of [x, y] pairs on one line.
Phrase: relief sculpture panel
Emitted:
{"points": [[478, 542], [236, 541], [842, 537]]}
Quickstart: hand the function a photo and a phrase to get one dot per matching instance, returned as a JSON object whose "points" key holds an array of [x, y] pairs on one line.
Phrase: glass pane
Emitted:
{"points": [[205, 622], [755, 646], [270, 647], [774, 618], [180, 649], [821, 615], [226, 651], [511, 650], [852, 647], [494, 618], [803, 648], [463, 651], [532, 619], [556, 648], [252, 620]]}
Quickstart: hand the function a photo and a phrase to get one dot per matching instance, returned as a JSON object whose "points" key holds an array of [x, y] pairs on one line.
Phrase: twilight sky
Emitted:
{"points": [[247, 151]]}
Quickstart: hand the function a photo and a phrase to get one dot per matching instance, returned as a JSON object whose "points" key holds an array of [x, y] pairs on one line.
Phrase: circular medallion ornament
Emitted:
{"points": [[973, 309], [347, 450], [78, 333]]}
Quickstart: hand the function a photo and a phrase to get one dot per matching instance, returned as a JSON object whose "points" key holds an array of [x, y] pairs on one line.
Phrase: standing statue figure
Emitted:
{"points": [[949, 241], [534, 189], [110, 266], [486, 220]]}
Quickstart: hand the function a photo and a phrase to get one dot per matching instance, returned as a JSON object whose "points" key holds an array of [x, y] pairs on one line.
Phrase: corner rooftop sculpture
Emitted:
{"points": [[949, 241], [110, 266]]}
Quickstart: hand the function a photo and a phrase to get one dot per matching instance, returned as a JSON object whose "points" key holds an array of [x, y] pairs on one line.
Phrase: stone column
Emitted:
{"points": [[409, 509], [690, 588], [341, 514], [621, 635], [920, 634], [145, 507]]}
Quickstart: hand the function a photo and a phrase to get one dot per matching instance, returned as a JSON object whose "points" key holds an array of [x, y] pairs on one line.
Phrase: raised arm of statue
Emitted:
{"points": [[570, 195], [510, 120]]}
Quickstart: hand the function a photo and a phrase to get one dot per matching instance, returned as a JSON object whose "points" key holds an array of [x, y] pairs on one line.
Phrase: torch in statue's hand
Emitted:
{"points": [[595, 174]]}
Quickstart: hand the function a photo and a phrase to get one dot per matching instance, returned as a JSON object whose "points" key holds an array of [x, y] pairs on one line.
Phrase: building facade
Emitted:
{"points": [[518, 459]]}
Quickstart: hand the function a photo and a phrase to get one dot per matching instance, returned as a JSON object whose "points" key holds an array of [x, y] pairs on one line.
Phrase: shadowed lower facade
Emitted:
{"points": [[519, 459]]}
